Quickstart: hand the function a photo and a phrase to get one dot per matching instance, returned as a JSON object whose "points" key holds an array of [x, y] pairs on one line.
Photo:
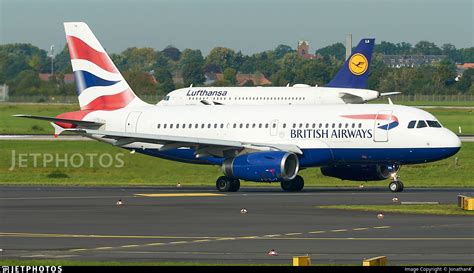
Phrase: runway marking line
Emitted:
{"points": [[361, 228], [224, 239], [294, 233], [338, 230], [201, 241], [78, 249], [155, 244], [126, 246], [381, 227], [179, 194], [317, 232], [103, 247], [270, 235]]}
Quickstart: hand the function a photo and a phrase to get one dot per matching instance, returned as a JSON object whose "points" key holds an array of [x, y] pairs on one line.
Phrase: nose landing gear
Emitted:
{"points": [[396, 185]]}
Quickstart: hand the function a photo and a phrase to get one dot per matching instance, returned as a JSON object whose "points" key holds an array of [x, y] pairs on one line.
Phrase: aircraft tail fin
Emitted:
{"points": [[355, 71], [100, 85]]}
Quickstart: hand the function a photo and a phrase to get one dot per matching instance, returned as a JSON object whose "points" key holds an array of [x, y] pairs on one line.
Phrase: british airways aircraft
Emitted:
{"points": [[348, 86], [266, 143]]}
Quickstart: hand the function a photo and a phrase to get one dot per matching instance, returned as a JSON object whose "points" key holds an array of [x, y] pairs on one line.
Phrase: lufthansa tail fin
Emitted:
{"points": [[355, 71], [100, 86]]}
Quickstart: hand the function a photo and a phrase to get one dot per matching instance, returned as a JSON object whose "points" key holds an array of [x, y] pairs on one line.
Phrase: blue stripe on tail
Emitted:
{"points": [[355, 71], [85, 80]]}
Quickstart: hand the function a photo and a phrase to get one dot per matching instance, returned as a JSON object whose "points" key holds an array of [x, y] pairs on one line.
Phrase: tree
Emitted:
{"points": [[165, 80], [172, 53], [337, 50], [230, 75], [141, 82], [426, 48], [466, 80], [192, 64], [281, 50], [451, 51], [313, 72], [221, 56], [62, 61], [143, 59]]}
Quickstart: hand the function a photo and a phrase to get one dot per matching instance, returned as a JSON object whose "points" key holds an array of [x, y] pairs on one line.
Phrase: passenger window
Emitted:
{"points": [[266, 125], [284, 125], [215, 125], [274, 125], [301, 125], [433, 123], [294, 125], [360, 125], [222, 125], [327, 125], [247, 125], [421, 124], [235, 125], [411, 124], [196, 125], [241, 125], [353, 125], [164, 126], [314, 125], [184, 126], [190, 126], [333, 125], [208, 125], [158, 126], [320, 125], [259, 125], [340, 125], [307, 125], [202, 126], [253, 125]]}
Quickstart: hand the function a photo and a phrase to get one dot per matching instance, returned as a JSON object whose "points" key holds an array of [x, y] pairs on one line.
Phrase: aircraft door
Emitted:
{"points": [[132, 121], [274, 127], [381, 125]]}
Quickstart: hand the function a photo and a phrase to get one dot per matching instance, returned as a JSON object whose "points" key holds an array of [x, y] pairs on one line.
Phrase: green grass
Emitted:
{"points": [[441, 209], [12, 125], [450, 118], [141, 170]]}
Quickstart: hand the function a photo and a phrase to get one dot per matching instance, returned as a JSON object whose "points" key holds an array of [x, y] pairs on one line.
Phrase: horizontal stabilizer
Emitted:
{"points": [[81, 123], [389, 93]]}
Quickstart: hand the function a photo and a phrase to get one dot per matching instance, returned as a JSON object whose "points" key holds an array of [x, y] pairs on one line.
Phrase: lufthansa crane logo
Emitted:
{"points": [[358, 64]]}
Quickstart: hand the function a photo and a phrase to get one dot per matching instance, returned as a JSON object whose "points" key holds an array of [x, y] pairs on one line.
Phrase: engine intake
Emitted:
{"points": [[360, 172], [262, 166]]}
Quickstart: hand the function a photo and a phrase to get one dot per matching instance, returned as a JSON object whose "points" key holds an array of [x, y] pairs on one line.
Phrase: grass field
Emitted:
{"points": [[441, 209], [141, 170], [450, 118]]}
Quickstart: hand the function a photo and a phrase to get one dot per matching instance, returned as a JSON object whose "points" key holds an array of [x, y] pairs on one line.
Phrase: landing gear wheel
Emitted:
{"points": [[224, 184], [396, 186], [286, 185], [235, 185], [296, 184]]}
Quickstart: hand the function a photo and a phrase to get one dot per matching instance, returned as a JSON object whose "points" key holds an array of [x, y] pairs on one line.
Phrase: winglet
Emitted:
{"points": [[57, 129]]}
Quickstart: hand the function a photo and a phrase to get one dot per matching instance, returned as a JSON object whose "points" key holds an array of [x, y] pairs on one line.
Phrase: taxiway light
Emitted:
{"points": [[380, 216], [272, 252], [395, 199], [243, 210], [119, 202]]}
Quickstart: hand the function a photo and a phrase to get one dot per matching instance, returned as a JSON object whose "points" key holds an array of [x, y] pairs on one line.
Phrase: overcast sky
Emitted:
{"points": [[247, 25]]}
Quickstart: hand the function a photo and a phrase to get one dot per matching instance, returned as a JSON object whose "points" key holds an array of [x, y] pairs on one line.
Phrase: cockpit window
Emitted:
{"points": [[167, 98], [421, 124], [433, 123], [411, 124]]}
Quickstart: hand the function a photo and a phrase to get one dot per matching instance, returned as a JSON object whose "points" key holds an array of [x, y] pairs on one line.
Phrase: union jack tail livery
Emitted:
{"points": [[100, 86]]}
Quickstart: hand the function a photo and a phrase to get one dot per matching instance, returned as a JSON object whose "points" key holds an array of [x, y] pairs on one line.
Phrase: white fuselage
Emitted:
{"points": [[312, 128], [297, 94]]}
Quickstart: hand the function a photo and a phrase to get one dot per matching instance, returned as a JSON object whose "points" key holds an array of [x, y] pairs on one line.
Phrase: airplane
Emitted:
{"points": [[348, 86], [264, 143]]}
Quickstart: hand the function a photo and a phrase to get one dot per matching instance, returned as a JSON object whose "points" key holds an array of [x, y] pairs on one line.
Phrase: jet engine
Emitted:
{"points": [[262, 166]]}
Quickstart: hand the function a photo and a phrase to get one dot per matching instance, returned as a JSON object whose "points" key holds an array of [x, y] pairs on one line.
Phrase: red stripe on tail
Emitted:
{"points": [[78, 49], [110, 102]]}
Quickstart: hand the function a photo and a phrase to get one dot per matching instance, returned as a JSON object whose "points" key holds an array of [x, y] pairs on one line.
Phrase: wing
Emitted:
{"points": [[203, 146], [351, 98]]}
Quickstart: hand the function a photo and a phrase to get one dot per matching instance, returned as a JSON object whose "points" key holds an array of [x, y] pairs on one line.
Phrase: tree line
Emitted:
{"points": [[151, 72]]}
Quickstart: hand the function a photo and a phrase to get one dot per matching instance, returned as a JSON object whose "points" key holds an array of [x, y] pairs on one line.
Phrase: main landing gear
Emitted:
{"points": [[226, 184], [296, 184], [396, 185]]}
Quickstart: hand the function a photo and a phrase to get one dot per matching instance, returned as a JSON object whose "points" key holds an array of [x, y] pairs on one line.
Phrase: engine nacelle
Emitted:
{"points": [[262, 166], [360, 172]]}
